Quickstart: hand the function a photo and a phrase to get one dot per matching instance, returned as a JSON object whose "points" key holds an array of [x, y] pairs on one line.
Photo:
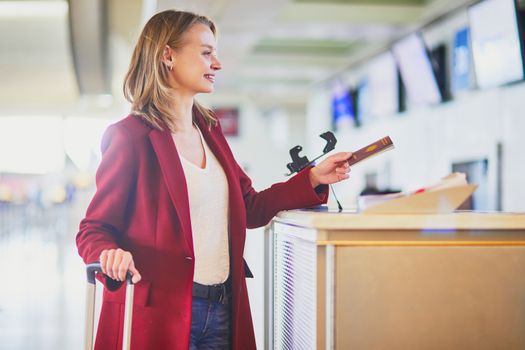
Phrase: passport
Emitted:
{"points": [[382, 145]]}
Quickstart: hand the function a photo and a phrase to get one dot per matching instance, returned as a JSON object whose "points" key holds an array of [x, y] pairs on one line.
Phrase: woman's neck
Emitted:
{"points": [[182, 107]]}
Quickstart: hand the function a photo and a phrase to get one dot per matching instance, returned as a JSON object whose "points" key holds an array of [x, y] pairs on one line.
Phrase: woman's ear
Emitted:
{"points": [[167, 57]]}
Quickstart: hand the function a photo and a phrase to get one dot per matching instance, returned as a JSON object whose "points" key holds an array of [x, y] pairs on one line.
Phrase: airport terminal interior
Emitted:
{"points": [[442, 79]]}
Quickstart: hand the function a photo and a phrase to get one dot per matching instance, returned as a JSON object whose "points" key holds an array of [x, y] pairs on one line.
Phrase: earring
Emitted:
{"points": [[170, 67]]}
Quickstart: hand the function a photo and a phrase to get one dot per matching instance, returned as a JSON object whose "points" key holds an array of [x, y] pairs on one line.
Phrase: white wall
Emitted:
{"points": [[428, 140]]}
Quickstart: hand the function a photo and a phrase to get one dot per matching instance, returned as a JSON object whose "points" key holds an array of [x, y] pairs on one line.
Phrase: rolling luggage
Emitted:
{"points": [[92, 270]]}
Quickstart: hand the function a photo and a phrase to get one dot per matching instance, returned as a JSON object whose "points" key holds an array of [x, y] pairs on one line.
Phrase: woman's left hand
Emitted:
{"points": [[332, 169]]}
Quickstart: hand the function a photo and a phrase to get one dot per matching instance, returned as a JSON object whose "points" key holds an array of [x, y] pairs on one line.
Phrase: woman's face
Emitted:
{"points": [[195, 63]]}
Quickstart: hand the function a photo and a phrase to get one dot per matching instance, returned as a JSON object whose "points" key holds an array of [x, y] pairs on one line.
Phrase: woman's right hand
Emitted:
{"points": [[115, 263]]}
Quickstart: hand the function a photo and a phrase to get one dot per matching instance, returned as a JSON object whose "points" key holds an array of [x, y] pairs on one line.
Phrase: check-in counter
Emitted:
{"points": [[355, 281]]}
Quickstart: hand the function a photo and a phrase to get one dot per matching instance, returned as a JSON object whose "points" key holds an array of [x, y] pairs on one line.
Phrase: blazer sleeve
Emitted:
{"points": [[105, 218], [295, 193]]}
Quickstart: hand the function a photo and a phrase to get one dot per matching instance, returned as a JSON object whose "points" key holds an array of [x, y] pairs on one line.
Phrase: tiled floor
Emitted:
{"points": [[42, 285], [42, 279]]}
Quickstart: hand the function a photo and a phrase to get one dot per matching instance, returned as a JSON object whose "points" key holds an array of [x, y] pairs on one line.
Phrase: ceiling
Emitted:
{"points": [[272, 50]]}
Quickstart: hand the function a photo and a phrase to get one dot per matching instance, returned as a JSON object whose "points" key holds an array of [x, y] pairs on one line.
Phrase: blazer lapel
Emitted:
{"points": [[173, 174]]}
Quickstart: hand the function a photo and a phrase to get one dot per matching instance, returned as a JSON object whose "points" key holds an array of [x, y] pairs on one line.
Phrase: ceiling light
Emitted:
{"points": [[33, 9]]}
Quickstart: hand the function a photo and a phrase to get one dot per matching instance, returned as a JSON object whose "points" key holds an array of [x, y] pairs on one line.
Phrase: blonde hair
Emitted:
{"points": [[146, 82]]}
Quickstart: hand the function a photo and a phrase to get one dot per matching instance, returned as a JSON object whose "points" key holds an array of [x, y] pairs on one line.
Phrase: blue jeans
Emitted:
{"points": [[210, 324]]}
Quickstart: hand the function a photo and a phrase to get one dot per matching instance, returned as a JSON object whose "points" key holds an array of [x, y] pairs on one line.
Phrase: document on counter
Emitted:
{"points": [[442, 197]]}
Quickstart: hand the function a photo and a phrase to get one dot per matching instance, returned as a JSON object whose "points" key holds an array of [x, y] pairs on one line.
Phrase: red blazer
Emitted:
{"points": [[141, 205]]}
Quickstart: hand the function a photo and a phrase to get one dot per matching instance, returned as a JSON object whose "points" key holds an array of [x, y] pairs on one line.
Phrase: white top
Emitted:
{"points": [[208, 199]]}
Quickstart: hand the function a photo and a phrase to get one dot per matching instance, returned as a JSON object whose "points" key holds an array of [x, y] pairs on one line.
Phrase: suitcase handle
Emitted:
{"points": [[94, 268]]}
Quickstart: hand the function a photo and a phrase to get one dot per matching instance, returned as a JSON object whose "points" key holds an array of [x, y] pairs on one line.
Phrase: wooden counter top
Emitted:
{"points": [[322, 219]]}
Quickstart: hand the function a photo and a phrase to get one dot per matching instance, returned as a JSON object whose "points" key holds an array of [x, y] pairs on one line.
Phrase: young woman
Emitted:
{"points": [[172, 205]]}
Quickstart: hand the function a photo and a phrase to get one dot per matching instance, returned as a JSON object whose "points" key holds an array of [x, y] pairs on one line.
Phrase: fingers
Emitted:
{"points": [[340, 161], [114, 259], [115, 263], [341, 156], [342, 177], [342, 172], [121, 269], [106, 261], [136, 274], [343, 169], [103, 260]]}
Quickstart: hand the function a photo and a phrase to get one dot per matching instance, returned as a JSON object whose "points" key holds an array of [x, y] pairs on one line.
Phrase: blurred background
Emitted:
{"points": [[442, 78]]}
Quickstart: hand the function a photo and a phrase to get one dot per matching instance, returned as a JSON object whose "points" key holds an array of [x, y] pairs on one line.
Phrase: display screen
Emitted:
{"points": [[416, 71], [343, 109], [363, 102], [383, 85], [461, 62], [495, 42]]}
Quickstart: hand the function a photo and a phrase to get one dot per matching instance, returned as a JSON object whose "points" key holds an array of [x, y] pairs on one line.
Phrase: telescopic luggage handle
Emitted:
{"points": [[91, 271], [94, 268]]}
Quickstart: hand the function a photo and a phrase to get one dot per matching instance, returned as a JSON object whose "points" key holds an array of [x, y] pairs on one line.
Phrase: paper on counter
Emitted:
{"points": [[441, 198]]}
